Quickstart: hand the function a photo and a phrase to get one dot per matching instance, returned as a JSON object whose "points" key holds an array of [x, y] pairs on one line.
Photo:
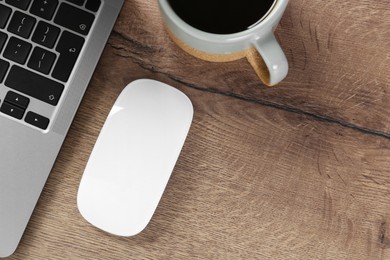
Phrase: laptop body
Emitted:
{"points": [[29, 149]]}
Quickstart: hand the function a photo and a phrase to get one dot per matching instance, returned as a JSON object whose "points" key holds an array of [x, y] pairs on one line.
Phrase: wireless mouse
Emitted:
{"points": [[134, 157]]}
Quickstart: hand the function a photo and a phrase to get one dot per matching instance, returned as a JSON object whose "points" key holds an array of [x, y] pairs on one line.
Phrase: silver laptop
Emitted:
{"points": [[48, 52]]}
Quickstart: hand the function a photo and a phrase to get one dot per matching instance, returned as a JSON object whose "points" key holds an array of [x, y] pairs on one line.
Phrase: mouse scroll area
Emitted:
{"points": [[134, 157]]}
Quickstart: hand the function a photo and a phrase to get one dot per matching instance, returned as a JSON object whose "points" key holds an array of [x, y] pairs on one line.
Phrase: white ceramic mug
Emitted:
{"points": [[258, 44]]}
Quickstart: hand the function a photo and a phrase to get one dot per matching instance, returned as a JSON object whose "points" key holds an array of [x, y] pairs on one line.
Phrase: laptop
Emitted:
{"points": [[48, 52]]}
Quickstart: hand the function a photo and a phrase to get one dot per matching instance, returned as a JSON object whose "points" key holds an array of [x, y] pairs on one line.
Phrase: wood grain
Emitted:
{"points": [[297, 171]]}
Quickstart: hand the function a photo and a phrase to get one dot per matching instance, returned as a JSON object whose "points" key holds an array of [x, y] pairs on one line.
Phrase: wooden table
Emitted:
{"points": [[296, 171]]}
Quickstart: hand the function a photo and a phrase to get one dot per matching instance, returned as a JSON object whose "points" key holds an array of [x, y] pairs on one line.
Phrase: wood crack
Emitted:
{"points": [[266, 103], [384, 241], [138, 45]]}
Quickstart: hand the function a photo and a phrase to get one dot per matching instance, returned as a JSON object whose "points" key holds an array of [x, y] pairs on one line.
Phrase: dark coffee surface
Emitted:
{"points": [[221, 16]]}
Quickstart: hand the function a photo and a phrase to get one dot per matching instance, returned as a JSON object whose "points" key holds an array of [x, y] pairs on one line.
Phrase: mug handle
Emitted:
{"points": [[268, 60]]}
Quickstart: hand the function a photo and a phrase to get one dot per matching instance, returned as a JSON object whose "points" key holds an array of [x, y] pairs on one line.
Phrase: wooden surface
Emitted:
{"points": [[297, 171]]}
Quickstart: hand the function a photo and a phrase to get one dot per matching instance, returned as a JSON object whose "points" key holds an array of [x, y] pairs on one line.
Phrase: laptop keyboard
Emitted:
{"points": [[40, 43]]}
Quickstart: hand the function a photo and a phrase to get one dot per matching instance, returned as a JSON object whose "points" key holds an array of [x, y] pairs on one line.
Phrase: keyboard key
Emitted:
{"points": [[34, 85], [93, 5], [44, 8], [17, 100], [46, 34], [3, 69], [17, 50], [37, 120], [21, 24], [74, 19], [22, 4], [69, 47], [3, 39], [77, 2], [4, 15], [41, 60], [12, 110]]}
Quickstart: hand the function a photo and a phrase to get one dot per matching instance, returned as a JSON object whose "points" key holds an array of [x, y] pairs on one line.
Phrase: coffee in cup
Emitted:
{"points": [[222, 17]]}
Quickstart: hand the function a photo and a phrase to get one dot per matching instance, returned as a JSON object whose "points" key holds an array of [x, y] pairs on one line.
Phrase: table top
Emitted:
{"points": [[296, 171]]}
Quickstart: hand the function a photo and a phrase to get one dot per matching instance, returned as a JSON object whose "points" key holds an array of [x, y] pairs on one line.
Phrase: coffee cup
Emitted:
{"points": [[223, 31]]}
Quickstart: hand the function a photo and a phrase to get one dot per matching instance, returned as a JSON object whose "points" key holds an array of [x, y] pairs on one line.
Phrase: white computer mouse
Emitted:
{"points": [[134, 157]]}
